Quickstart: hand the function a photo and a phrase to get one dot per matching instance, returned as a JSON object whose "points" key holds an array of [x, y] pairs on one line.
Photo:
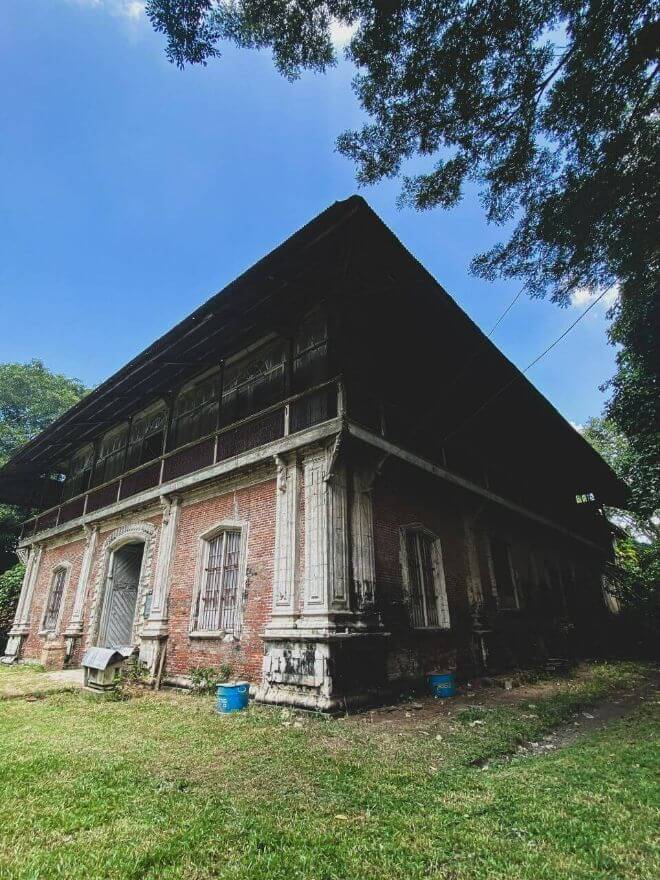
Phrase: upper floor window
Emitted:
{"points": [[217, 606], [254, 381], [424, 578], [110, 461], [310, 353], [195, 412], [77, 479], [146, 438], [505, 580], [54, 603]]}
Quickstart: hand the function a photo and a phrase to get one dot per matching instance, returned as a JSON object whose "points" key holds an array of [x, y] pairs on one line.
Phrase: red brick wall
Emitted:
{"points": [[51, 558], [98, 570], [401, 500], [403, 497], [254, 505]]}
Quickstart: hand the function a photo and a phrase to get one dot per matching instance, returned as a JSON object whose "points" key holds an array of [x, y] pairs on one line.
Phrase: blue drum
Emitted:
{"points": [[233, 696], [442, 685]]}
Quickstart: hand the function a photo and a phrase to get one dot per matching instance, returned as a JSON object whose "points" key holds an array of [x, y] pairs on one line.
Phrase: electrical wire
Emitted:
{"points": [[506, 310], [533, 363]]}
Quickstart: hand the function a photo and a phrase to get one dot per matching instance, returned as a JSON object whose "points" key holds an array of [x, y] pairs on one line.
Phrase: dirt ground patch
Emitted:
{"points": [[425, 712], [595, 718]]}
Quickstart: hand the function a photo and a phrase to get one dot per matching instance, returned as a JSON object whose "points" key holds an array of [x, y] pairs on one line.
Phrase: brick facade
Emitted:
{"points": [[401, 499], [308, 447]]}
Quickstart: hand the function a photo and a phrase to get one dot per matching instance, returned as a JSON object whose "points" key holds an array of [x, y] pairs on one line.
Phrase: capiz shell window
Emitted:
{"points": [[310, 362], [146, 438], [110, 462], [254, 381], [195, 412], [78, 476], [219, 597]]}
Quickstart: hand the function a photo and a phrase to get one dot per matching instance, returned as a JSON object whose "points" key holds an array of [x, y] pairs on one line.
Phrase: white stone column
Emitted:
{"points": [[21, 625], [362, 540], [285, 595], [155, 629], [325, 582], [474, 590], [75, 626]]}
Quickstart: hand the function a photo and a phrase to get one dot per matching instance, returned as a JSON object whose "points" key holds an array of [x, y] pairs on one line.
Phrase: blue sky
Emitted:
{"points": [[130, 192]]}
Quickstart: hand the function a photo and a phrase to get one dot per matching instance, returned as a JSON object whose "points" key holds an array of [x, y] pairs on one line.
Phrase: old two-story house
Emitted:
{"points": [[326, 478]]}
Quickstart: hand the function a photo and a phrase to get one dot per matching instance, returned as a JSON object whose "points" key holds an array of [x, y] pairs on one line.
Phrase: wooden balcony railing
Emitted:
{"points": [[290, 416]]}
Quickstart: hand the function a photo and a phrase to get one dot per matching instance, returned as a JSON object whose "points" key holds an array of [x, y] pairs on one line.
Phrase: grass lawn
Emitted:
{"points": [[159, 786], [31, 678]]}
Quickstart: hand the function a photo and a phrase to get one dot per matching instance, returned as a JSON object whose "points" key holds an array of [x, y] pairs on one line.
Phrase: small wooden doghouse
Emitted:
{"points": [[102, 667]]}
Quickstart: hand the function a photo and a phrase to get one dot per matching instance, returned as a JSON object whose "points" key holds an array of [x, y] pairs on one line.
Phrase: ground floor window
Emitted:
{"points": [[54, 603], [218, 600], [424, 578], [505, 581]]}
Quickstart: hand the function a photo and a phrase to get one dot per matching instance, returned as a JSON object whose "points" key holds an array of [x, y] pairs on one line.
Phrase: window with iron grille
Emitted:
{"points": [[505, 582], [218, 607], [195, 413], [146, 439], [77, 479], [254, 382], [110, 462], [52, 613], [424, 579]]}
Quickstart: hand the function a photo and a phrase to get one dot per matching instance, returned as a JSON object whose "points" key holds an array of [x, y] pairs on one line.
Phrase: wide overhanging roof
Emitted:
{"points": [[259, 299]]}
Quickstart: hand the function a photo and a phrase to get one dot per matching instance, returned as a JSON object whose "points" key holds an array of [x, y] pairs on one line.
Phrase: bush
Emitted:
{"points": [[10, 588], [205, 679], [635, 581]]}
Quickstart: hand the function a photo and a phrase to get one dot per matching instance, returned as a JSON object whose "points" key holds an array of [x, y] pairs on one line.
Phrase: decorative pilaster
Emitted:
{"points": [[333, 655], [362, 542], [75, 626], [474, 591], [21, 625], [155, 629], [325, 580], [285, 598]]}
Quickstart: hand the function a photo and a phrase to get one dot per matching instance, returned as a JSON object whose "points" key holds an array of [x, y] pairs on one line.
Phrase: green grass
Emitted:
{"points": [[28, 679], [161, 787]]}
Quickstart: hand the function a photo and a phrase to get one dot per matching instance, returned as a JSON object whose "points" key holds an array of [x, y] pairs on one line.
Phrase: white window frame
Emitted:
{"points": [[66, 568], [203, 549], [439, 580]]}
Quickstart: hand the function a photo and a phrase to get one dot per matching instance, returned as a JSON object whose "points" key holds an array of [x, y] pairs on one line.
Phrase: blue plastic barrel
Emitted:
{"points": [[233, 696], [442, 684]]}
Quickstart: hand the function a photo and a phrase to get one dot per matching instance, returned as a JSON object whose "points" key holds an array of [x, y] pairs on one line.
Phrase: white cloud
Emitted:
{"points": [[581, 298], [131, 9], [341, 33]]}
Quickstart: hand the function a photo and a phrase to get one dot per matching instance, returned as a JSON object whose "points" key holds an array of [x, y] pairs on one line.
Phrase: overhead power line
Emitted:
{"points": [[516, 378], [506, 311]]}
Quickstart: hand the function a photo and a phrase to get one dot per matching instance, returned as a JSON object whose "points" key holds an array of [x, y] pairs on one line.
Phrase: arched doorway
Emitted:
{"points": [[120, 599]]}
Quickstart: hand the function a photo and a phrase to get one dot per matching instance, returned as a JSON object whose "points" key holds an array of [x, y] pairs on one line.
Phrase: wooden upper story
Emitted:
{"points": [[338, 326]]}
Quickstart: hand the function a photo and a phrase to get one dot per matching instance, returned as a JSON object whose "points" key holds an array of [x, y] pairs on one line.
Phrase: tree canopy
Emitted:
{"points": [[549, 106], [31, 397], [621, 455]]}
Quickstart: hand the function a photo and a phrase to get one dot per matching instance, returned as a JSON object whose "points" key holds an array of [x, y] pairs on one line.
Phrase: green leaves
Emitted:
{"points": [[31, 397], [551, 109]]}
